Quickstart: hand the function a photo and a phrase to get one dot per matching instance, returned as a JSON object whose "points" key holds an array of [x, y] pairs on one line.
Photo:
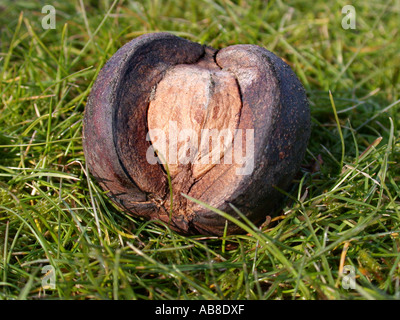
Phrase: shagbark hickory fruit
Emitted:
{"points": [[166, 98]]}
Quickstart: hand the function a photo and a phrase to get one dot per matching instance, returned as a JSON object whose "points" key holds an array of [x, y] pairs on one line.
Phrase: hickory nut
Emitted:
{"points": [[227, 126]]}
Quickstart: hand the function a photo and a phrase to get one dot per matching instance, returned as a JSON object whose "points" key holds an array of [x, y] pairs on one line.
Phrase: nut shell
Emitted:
{"points": [[272, 102]]}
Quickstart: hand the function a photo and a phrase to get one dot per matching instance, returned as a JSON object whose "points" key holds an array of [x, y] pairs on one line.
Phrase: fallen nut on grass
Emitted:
{"points": [[227, 126]]}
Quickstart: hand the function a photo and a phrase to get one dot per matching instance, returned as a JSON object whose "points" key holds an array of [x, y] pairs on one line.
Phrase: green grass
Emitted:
{"points": [[343, 211]]}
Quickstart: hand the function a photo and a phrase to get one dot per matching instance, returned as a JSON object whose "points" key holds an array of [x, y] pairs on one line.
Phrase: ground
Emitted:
{"points": [[337, 236]]}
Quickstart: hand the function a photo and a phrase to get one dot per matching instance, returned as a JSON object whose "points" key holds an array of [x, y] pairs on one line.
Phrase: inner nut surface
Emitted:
{"points": [[191, 106]]}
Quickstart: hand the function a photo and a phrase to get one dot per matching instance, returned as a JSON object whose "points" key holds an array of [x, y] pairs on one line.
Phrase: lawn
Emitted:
{"points": [[340, 221]]}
